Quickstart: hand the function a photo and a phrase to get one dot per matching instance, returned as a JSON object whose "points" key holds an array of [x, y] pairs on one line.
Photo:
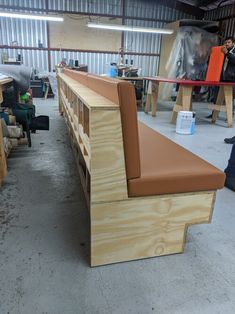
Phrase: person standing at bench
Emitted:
{"points": [[229, 62], [228, 72], [230, 171]]}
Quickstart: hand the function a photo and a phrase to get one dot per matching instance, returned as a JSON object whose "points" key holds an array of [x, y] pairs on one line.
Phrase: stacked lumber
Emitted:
{"points": [[3, 164], [10, 136]]}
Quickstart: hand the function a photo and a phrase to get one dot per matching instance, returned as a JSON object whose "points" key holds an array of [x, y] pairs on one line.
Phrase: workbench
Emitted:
{"points": [[224, 100]]}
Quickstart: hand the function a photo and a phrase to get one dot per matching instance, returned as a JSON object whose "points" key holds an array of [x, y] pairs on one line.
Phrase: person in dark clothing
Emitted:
{"points": [[228, 49], [230, 140], [230, 171], [228, 72]]}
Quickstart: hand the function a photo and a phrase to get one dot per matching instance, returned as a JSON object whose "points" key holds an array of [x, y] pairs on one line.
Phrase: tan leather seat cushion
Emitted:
{"points": [[169, 168]]}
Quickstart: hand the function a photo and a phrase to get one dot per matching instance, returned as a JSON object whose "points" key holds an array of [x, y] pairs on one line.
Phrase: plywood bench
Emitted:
{"points": [[142, 190]]}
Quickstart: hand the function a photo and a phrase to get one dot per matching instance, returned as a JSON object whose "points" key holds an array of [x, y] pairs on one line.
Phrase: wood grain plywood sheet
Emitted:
{"points": [[145, 227], [108, 175]]}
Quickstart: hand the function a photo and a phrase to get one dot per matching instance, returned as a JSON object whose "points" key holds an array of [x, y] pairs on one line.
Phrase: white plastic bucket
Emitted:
{"points": [[185, 123]]}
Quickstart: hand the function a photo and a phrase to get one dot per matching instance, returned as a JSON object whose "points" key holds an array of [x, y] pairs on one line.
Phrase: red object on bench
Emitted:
{"points": [[215, 65], [158, 79]]}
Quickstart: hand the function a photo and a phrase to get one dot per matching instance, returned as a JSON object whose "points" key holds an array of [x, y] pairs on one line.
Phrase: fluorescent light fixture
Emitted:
{"points": [[31, 16], [131, 28]]}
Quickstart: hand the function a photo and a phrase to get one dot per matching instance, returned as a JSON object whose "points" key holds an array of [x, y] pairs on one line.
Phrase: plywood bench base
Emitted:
{"points": [[139, 228], [123, 228], [142, 227]]}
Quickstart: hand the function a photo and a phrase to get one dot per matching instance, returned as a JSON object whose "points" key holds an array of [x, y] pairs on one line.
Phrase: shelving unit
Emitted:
{"points": [[86, 114], [12, 62]]}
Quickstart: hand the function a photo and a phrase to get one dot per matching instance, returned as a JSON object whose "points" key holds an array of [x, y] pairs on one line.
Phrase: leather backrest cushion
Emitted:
{"points": [[80, 77], [128, 111], [123, 94], [104, 87]]}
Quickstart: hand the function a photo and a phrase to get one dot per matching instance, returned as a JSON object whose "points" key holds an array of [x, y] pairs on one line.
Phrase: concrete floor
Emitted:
{"points": [[44, 240]]}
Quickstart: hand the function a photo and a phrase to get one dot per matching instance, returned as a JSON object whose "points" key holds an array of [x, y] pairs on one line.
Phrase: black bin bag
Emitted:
{"points": [[40, 123]]}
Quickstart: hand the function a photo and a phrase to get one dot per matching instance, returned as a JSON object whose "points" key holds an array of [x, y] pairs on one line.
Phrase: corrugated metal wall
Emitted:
{"points": [[153, 10], [228, 27], [227, 24], [97, 62], [219, 13], [141, 42], [87, 6], [27, 33], [37, 4], [33, 58]]}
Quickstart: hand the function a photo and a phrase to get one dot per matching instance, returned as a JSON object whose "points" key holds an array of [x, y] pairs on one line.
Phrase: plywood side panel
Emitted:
{"points": [[145, 227], [108, 175], [166, 49]]}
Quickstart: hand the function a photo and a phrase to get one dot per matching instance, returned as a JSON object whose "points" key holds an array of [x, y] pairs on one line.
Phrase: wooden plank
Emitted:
{"points": [[1, 96], [131, 78], [6, 81], [90, 98], [101, 145], [148, 104], [219, 102], [167, 43], [145, 227], [108, 175], [3, 163], [224, 103], [152, 97], [155, 88], [217, 107], [186, 97], [187, 82], [228, 97], [178, 106], [59, 95]]}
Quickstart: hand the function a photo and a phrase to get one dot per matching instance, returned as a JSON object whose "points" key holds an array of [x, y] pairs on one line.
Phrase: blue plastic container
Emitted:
{"points": [[113, 70]]}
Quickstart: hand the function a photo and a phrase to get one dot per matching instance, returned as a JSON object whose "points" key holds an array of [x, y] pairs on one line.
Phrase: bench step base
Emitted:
{"points": [[139, 228]]}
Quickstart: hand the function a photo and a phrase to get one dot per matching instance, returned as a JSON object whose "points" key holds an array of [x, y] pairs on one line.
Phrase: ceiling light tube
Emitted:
{"points": [[131, 28], [32, 16]]}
